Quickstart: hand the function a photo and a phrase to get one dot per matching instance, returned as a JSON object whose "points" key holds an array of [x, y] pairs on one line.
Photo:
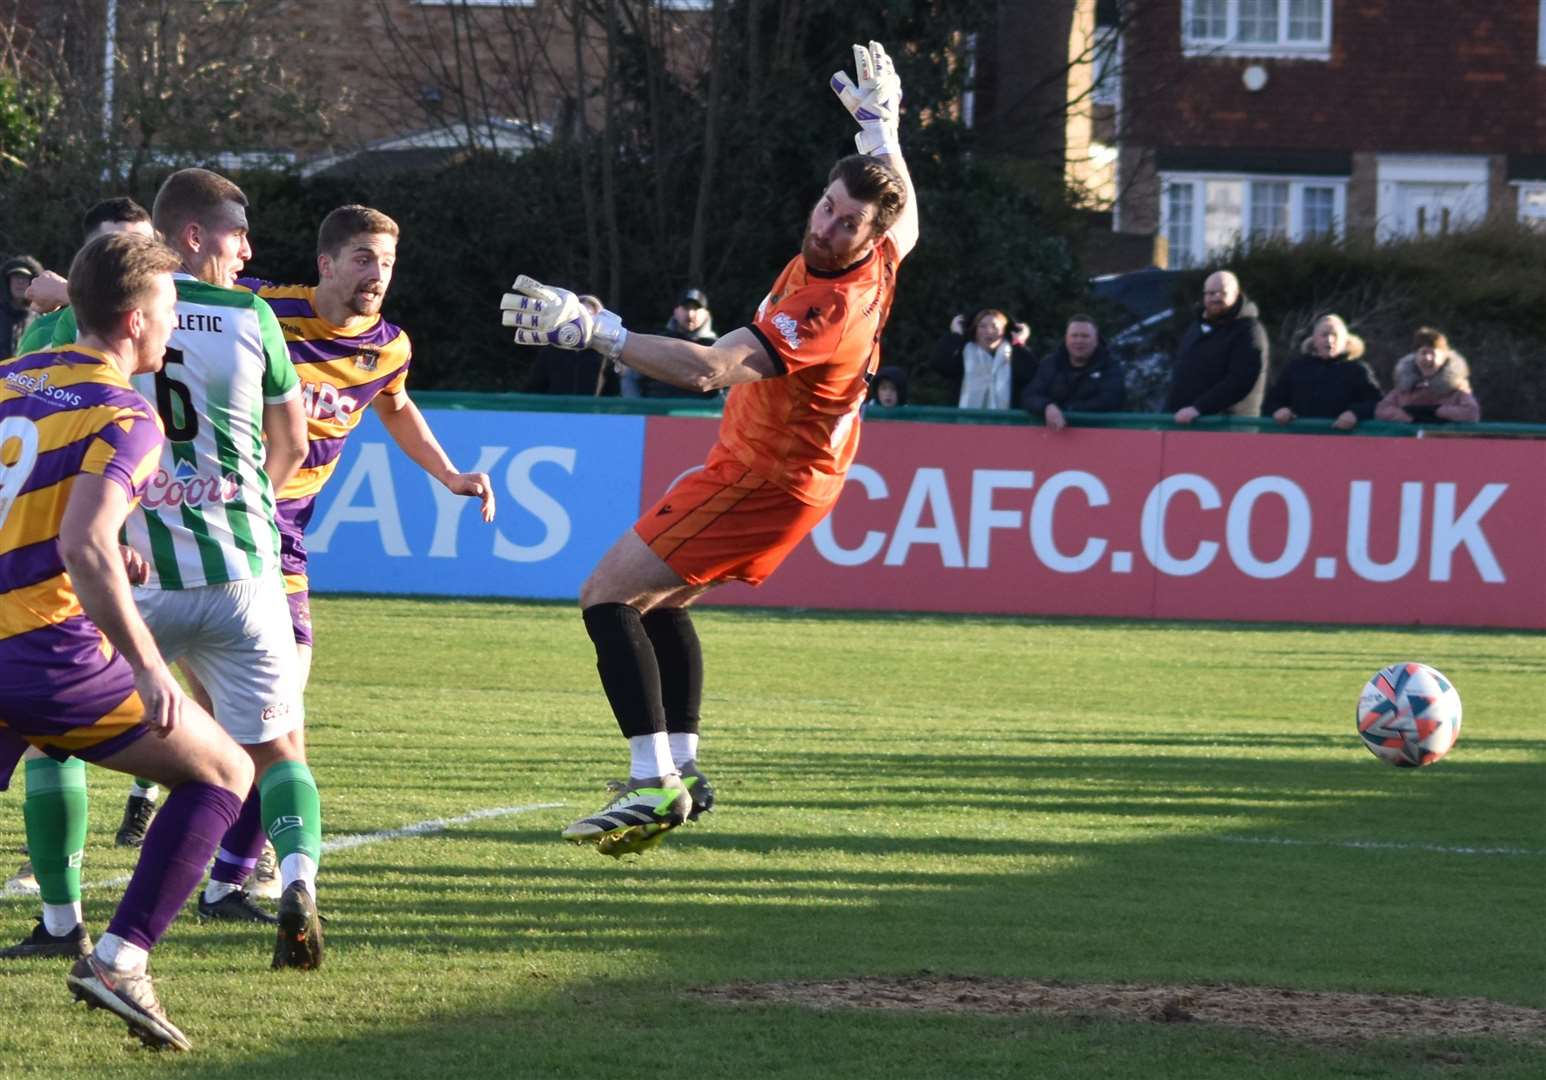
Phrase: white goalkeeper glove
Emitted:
{"points": [[547, 315], [875, 101]]}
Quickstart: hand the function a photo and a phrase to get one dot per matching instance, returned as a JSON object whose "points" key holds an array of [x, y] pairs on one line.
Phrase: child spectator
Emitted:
{"points": [[1328, 379], [1431, 384], [889, 388]]}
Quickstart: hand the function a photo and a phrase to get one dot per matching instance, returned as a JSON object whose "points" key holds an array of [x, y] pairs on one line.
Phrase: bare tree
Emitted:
{"points": [[188, 78]]}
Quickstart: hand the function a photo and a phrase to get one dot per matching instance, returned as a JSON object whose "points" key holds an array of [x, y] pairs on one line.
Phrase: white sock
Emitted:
{"points": [[684, 747], [60, 919], [649, 755], [121, 955], [153, 792], [299, 867], [218, 890]]}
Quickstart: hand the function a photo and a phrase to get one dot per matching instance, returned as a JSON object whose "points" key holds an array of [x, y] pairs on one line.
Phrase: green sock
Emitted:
{"points": [[148, 789], [55, 813], [292, 810]]}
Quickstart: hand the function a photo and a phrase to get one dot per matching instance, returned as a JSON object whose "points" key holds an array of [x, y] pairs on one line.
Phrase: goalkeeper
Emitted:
{"points": [[798, 376]]}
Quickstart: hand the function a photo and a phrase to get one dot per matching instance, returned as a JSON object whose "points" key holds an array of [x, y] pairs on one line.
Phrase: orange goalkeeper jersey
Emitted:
{"points": [[822, 329]]}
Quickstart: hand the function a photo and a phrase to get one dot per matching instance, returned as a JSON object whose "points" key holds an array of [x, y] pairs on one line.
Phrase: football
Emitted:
{"points": [[1409, 715]]}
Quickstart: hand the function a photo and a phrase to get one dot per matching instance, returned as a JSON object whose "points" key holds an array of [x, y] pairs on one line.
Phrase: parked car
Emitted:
{"points": [[1153, 300]]}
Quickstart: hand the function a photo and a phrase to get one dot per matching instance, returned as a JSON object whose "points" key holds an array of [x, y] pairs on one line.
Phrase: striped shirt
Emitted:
{"points": [[341, 368], [208, 516], [63, 413]]}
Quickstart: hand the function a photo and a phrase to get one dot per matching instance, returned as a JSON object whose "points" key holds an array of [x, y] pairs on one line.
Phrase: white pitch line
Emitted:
{"points": [[348, 843], [1382, 845]]}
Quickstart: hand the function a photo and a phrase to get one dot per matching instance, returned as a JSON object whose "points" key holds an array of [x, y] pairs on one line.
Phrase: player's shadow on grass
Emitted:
{"points": [[521, 1027], [897, 893], [916, 880]]}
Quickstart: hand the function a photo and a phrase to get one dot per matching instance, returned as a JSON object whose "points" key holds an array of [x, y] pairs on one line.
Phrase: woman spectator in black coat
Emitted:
{"points": [[1328, 379], [1080, 375]]}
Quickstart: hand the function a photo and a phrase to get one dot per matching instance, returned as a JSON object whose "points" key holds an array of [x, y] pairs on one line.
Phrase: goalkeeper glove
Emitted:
{"points": [[546, 315], [875, 101]]}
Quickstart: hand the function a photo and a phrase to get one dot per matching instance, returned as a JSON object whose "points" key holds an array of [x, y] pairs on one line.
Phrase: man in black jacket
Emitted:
{"points": [[1080, 375], [15, 313], [690, 320], [1221, 366]]}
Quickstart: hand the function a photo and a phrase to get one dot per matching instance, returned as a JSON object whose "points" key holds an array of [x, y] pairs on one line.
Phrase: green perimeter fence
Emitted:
{"points": [[944, 414]]}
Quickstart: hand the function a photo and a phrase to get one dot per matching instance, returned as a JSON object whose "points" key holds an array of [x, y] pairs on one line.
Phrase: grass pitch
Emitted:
{"points": [[1061, 801]]}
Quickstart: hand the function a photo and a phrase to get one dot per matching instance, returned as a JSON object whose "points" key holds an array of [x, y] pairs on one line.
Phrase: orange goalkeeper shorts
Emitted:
{"points": [[726, 523]]}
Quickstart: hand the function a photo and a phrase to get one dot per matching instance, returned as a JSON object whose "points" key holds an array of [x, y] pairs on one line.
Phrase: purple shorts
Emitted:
{"points": [[292, 516], [82, 706], [300, 615]]}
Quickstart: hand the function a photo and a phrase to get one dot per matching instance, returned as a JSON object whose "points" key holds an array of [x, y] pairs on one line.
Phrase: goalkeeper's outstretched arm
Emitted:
{"points": [[873, 97], [547, 315], [905, 229], [738, 357]]}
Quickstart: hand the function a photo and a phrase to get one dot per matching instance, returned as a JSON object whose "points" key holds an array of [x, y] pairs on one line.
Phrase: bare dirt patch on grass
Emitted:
{"points": [[1307, 1015]]}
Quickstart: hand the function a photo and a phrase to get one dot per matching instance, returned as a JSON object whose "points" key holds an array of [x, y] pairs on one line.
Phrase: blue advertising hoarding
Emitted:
{"points": [[567, 485]]}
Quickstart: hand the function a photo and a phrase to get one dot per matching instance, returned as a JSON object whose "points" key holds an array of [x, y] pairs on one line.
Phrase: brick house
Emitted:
{"points": [[1292, 118]]}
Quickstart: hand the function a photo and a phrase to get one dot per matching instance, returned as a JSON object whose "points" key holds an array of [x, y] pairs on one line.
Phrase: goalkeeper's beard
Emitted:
{"points": [[817, 255]]}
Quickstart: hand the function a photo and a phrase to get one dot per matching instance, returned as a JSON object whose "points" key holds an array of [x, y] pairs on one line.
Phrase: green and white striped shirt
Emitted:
{"points": [[208, 515]]}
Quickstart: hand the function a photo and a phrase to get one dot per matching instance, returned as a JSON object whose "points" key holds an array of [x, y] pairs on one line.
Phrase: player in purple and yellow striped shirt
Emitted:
{"points": [[80, 674], [348, 357]]}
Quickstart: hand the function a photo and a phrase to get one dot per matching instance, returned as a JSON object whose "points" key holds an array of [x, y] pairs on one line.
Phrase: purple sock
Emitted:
{"points": [[177, 848], [241, 845]]}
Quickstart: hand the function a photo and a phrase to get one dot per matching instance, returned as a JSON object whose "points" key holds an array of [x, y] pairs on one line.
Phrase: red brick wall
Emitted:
{"points": [[1416, 76]]}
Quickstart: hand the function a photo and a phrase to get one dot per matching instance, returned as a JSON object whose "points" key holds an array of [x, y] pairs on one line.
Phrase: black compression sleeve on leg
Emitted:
{"points": [[626, 660], [680, 659]]}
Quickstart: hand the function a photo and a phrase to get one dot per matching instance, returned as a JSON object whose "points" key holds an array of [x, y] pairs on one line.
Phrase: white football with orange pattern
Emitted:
{"points": [[1409, 715]]}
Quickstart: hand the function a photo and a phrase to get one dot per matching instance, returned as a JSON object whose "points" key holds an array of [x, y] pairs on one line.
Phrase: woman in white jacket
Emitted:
{"points": [[992, 366]]}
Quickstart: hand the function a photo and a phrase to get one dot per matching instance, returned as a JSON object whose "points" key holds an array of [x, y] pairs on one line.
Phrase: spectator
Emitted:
{"points": [[1431, 384], [564, 371], [1328, 379], [889, 387], [1221, 365], [990, 370], [49, 293], [690, 320], [15, 311], [557, 371], [1080, 375]]}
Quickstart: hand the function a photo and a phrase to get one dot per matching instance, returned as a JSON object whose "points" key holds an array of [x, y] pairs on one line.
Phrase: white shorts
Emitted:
{"points": [[237, 639]]}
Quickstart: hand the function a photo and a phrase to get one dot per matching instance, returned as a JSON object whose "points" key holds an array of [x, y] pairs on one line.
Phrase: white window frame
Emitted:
{"points": [[1296, 185], [1525, 215], [1107, 60], [1393, 170], [1231, 45]]}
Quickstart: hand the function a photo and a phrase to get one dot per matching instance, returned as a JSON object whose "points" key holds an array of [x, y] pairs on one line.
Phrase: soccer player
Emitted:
{"points": [[80, 675], [120, 214], [348, 357], [798, 376], [230, 402], [48, 291]]}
